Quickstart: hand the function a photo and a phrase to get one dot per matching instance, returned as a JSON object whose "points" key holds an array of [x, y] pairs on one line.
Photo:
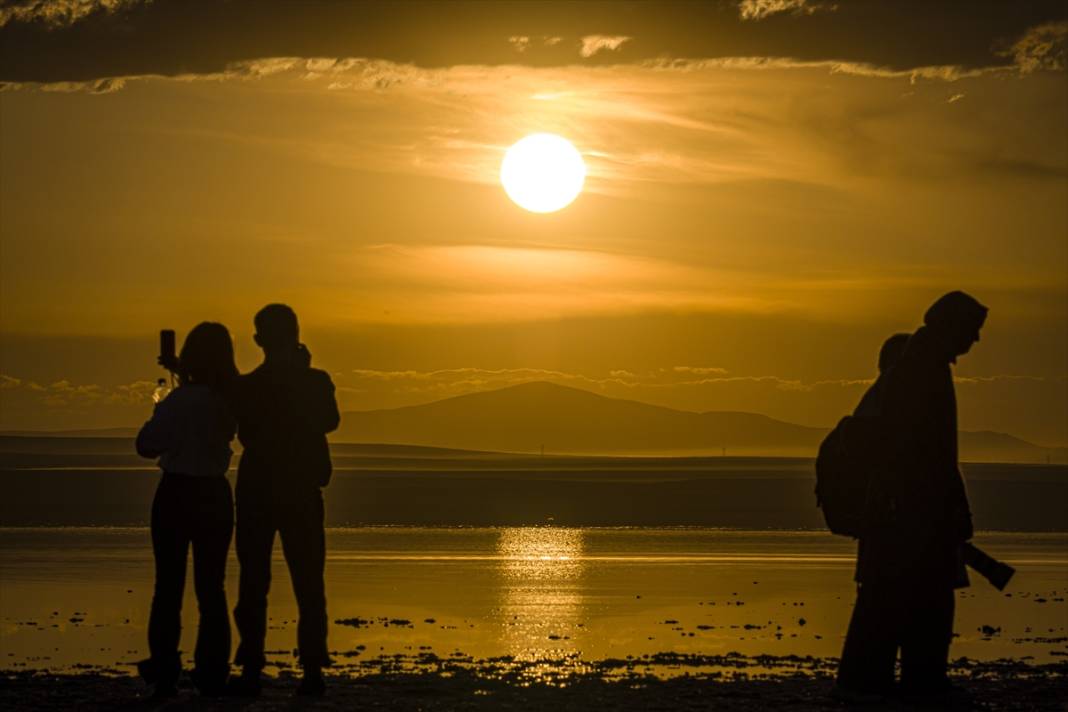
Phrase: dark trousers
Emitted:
{"points": [[297, 517], [893, 615], [197, 511]]}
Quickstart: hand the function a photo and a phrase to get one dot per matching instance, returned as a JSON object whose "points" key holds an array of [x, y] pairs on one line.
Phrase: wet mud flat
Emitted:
{"points": [[665, 681]]}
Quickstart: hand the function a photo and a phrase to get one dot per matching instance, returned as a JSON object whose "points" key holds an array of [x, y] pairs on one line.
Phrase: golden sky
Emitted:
{"points": [[753, 224]]}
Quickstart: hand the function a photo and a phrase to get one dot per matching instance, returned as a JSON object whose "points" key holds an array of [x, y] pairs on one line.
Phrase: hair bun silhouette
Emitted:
{"points": [[954, 311]]}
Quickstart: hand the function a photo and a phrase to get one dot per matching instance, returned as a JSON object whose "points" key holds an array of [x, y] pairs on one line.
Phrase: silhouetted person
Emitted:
{"points": [[190, 432], [909, 557], [284, 410], [871, 404]]}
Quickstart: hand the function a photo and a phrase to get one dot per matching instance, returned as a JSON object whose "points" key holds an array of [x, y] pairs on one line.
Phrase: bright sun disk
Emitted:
{"points": [[543, 172]]}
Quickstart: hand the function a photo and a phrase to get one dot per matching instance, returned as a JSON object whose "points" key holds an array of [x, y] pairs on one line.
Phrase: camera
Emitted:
{"points": [[991, 569]]}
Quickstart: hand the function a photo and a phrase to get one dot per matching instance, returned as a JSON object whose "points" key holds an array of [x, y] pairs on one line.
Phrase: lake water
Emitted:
{"points": [[72, 596]]}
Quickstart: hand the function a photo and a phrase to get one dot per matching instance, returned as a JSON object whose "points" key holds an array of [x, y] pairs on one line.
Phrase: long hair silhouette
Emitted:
{"points": [[207, 357]]}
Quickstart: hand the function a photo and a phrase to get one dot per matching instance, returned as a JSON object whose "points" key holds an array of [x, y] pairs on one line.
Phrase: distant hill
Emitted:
{"points": [[529, 416], [566, 421]]}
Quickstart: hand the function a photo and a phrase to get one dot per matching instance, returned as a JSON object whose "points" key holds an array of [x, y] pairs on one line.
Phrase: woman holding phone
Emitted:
{"points": [[190, 432]]}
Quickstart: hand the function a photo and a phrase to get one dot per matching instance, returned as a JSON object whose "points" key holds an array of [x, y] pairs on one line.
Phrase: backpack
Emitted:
{"points": [[844, 467]]}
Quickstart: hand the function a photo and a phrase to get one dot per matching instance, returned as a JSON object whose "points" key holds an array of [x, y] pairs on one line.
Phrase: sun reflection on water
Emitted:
{"points": [[541, 600]]}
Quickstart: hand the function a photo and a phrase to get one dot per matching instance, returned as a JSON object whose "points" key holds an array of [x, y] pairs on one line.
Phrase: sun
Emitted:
{"points": [[543, 172]]}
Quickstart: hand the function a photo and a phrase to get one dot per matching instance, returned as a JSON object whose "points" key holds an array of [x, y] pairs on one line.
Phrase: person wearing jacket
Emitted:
{"points": [[285, 408], [190, 432], [909, 559]]}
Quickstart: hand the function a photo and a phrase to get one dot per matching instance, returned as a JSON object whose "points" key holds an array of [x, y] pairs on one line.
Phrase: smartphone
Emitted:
{"points": [[167, 355]]}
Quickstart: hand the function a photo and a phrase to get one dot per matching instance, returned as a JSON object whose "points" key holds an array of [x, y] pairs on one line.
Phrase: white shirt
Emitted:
{"points": [[190, 432]]}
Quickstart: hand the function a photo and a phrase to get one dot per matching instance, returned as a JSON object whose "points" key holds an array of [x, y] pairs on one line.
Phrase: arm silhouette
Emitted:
{"points": [[158, 434]]}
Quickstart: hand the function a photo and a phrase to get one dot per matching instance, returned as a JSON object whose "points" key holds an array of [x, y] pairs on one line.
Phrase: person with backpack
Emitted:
{"points": [[849, 452], [916, 518]]}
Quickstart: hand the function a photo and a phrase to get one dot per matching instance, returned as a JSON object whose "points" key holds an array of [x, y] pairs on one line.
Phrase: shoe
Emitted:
{"points": [[248, 684], [312, 684], [147, 670]]}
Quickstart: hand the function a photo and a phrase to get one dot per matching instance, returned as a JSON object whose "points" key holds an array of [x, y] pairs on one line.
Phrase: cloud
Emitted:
{"points": [[96, 86], [522, 43], [699, 370], [65, 394], [1006, 378], [944, 73], [8, 383], [592, 44], [1044, 47], [633, 382], [455, 381], [48, 41], [760, 9], [60, 13], [447, 382], [955, 98], [351, 73], [364, 74]]}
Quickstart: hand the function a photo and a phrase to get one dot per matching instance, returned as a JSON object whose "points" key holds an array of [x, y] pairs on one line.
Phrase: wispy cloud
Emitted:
{"points": [[523, 43], [760, 9], [455, 381], [943, 73], [700, 370], [489, 283], [520, 42], [592, 44], [63, 393], [1043, 49]]}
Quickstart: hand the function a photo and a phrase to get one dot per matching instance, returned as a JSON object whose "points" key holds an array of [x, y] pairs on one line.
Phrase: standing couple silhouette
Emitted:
{"points": [[281, 413]]}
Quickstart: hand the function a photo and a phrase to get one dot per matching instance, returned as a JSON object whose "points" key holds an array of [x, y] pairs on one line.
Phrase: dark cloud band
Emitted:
{"points": [[52, 41]]}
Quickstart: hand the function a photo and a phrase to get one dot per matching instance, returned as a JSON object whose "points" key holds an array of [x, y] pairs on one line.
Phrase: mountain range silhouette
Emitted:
{"points": [[543, 417], [528, 417]]}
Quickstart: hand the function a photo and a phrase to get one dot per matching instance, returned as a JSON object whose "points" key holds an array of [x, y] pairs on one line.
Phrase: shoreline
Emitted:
{"points": [[427, 682]]}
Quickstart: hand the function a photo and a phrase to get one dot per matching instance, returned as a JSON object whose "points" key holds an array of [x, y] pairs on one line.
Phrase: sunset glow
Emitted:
{"points": [[556, 354]]}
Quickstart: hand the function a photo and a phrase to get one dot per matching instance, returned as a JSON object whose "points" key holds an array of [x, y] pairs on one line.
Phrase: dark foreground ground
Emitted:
{"points": [[701, 683]]}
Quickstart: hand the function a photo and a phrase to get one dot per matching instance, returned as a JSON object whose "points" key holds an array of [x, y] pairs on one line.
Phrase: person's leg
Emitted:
{"points": [[926, 636], [211, 546], [254, 541], [170, 546], [867, 664], [304, 546]]}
